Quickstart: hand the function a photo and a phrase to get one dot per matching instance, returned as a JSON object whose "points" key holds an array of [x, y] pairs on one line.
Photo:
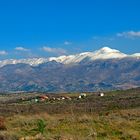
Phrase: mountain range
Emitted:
{"points": [[104, 69]]}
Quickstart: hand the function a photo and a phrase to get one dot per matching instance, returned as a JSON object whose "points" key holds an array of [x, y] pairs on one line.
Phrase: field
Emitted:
{"points": [[116, 116]]}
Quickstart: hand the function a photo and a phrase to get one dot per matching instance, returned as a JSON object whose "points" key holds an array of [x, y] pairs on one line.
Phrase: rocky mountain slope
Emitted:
{"points": [[104, 69]]}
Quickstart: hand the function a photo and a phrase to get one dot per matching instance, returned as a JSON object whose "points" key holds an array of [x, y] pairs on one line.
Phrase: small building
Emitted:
{"points": [[36, 100], [68, 98], [101, 94], [82, 95], [58, 99], [79, 97], [63, 98], [53, 98], [43, 98]]}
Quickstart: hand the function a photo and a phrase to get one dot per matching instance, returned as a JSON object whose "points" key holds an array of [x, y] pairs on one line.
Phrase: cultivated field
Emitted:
{"points": [[115, 116]]}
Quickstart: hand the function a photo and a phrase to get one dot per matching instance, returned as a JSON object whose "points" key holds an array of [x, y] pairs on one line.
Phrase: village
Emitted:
{"points": [[44, 98], [34, 98]]}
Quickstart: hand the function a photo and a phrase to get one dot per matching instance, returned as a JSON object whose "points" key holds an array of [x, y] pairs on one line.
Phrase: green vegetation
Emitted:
{"points": [[41, 126]]}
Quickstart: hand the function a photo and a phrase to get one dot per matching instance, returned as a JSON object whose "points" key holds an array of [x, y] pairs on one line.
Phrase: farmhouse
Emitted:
{"points": [[101, 94], [82, 95], [43, 98]]}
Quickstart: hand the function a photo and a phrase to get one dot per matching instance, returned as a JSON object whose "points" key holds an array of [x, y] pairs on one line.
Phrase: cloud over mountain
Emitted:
{"points": [[59, 51], [21, 49], [3, 53]]}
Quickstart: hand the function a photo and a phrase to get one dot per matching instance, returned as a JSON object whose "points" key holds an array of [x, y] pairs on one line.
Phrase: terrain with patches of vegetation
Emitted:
{"points": [[116, 116]]}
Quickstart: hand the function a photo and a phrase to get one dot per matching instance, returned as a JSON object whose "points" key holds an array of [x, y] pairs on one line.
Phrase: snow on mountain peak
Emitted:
{"points": [[136, 54], [107, 53], [107, 50], [103, 53]]}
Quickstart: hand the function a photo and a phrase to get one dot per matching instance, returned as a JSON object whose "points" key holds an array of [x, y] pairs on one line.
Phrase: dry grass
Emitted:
{"points": [[116, 116], [114, 125]]}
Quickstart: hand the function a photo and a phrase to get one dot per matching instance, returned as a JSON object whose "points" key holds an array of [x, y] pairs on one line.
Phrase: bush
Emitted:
{"points": [[2, 124], [41, 125]]}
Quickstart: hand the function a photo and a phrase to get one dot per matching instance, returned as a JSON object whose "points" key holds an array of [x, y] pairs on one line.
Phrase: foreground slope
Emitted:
{"points": [[116, 116]]}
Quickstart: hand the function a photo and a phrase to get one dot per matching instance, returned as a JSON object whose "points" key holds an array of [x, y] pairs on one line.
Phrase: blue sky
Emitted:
{"points": [[42, 28]]}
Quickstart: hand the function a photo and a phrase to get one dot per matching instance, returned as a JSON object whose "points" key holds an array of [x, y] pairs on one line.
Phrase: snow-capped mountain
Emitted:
{"points": [[104, 69], [30, 61], [136, 55], [103, 53]]}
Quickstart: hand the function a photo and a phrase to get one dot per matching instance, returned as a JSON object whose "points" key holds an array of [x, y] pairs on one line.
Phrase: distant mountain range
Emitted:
{"points": [[104, 69], [103, 53]]}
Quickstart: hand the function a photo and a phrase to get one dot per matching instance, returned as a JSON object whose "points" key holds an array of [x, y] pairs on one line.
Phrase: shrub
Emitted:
{"points": [[2, 124], [41, 125]]}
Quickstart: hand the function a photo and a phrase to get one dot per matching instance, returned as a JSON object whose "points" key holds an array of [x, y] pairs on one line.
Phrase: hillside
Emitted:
{"points": [[105, 69]]}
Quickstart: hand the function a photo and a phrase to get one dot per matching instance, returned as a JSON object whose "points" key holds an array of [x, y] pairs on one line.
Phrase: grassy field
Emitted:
{"points": [[116, 116]]}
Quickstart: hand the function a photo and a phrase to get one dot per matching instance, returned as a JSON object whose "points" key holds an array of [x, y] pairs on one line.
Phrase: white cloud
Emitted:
{"points": [[3, 53], [54, 50], [67, 43], [129, 34], [21, 49]]}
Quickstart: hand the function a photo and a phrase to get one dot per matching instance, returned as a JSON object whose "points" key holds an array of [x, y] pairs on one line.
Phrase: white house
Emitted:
{"points": [[101, 94], [82, 95]]}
